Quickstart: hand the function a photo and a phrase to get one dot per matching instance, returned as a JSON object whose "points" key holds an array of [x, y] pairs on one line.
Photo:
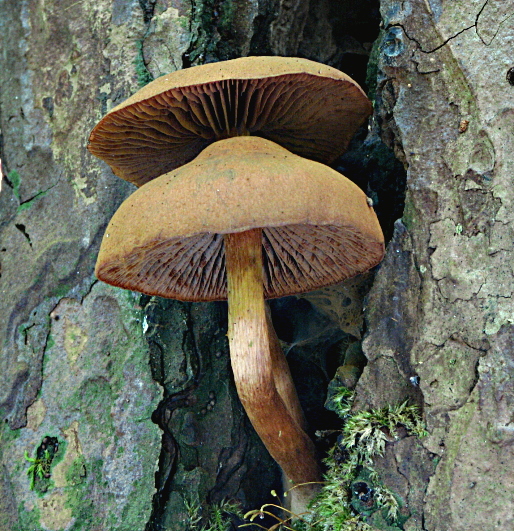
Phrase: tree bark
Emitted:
{"points": [[441, 307], [134, 395]]}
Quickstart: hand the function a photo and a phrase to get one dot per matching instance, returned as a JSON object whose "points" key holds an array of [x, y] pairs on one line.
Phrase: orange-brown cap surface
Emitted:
{"points": [[311, 109], [166, 239]]}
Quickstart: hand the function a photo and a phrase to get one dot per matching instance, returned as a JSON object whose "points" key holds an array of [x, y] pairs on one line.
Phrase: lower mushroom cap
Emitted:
{"points": [[165, 239], [287, 225]]}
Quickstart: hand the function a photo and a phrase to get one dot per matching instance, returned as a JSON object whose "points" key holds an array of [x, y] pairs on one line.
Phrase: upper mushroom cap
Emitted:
{"points": [[166, 238], [310, 108]]}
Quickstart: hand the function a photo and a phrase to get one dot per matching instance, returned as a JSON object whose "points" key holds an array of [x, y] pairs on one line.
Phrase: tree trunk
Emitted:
{"points": [[441, 307], [130, 399]]}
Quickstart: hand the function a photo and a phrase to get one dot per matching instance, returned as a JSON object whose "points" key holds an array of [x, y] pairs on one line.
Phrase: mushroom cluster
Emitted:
{"points": [[230, 209]]}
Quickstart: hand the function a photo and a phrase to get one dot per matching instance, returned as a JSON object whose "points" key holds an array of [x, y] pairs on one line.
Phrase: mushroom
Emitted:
{"points": [[244, 221], [309, 108]]}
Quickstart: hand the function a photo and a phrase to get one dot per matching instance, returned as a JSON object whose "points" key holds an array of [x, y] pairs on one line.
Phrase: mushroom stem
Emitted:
{"points": [[261, 373], [282, 375]]}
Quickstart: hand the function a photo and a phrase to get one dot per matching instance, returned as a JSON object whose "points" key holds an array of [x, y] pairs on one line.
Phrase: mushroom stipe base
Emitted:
{"points": [[261, 373]]}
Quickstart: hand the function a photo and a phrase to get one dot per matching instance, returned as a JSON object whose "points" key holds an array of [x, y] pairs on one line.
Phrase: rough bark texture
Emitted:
{"points": [[441, 307], [92, 366], [74, 364]]}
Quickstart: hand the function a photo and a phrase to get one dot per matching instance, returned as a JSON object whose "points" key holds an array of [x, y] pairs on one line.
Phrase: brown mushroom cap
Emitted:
{"points": [[166, 238], [311, 109]]}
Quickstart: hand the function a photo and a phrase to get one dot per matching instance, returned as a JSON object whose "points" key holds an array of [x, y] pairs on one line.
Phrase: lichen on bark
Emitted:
{"points": [[441, 113]]}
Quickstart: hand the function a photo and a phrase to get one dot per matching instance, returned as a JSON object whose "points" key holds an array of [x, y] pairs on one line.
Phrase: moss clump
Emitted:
{"points": [[352, 491], [216, 517], [39, 467], [48, 454]]}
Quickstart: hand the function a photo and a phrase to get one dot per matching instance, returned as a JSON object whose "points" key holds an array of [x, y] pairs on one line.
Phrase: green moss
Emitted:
{"points": [[28, 204], [352, 491], [6, 434], [28, 519], [372, 68], [458, 84], [48, 454], [60, 289], [215, 517], [15, 180], [143, 75], [79, 498], [212, 26], [49, 345], [50, 342], [76, 473], [184, 22], [409, 215], [91, 398], [131, 516], [228, 11]]}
